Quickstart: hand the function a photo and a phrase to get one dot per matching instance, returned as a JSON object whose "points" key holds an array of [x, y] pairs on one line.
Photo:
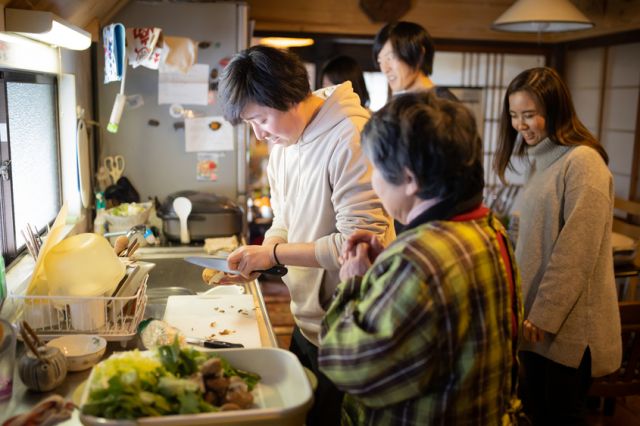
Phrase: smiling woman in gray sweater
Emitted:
{"points": [[571, 330]]}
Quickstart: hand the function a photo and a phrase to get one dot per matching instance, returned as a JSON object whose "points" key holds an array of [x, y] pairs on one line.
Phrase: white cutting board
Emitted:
{"points": [[206, 317]]}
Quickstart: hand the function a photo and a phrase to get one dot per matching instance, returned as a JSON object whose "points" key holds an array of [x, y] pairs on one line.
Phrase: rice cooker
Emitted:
{"points": [[211, 216]]}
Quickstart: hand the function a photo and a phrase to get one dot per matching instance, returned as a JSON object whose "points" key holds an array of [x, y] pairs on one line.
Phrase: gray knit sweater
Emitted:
{"points": [[565, 256]]}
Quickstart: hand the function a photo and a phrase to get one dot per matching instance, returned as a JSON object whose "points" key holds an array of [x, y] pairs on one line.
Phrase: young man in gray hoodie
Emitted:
{"points": [[320, 189]]}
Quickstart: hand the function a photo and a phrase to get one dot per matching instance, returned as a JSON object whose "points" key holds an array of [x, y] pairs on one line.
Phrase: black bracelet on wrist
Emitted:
{"points": [[275, 257]]}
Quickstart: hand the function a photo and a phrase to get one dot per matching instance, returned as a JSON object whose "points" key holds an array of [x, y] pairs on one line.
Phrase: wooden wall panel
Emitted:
{"points": [[449, 19], [445, 19]]}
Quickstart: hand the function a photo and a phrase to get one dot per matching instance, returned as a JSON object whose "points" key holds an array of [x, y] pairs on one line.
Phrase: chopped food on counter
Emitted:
{"points": [[173, 380]]}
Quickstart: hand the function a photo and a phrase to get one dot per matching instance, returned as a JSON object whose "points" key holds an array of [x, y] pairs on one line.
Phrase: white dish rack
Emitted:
{"points": [[114, 318]]}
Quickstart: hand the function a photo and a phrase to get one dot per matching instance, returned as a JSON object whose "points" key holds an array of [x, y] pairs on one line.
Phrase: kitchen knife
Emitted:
{"points": [[212, 344], [220, 263]]}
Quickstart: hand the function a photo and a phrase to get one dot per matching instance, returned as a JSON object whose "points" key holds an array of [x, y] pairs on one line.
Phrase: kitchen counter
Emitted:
{"points": [[23, 399]]}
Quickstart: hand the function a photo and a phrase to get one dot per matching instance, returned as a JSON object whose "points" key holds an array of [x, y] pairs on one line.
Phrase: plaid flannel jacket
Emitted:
{"points": [[427, 336]]}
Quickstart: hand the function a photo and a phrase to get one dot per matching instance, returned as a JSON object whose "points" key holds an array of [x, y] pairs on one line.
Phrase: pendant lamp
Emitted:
{"points": [[542, 16]]}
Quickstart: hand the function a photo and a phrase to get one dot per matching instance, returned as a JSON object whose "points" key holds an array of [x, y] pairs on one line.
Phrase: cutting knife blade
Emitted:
{"points": [[212, 344], [220, 263]]}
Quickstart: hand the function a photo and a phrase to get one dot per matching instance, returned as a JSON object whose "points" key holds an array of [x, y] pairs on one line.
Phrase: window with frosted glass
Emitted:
{"points": [[33, 142]]}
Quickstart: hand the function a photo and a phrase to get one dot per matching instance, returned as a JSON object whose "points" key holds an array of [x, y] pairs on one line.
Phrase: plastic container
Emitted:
{"points": [[154, 333], [137, 214], [83, 265], [100, 223]]}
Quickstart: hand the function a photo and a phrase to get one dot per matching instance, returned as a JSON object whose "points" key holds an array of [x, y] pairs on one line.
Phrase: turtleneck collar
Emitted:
{"points": [[546, 153]]}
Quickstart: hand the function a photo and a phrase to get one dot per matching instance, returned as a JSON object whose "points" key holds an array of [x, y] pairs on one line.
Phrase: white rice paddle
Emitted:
{"points": [[182, 207]]}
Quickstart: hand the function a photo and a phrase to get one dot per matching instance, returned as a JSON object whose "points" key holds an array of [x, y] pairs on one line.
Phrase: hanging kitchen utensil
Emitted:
{"points": [[82, 152], [113, 37], [120, 55], [182, 207], [115, 167], [103, 178]]}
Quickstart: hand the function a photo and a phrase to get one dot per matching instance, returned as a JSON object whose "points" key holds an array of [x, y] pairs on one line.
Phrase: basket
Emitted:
{"points": [[114, 318]]}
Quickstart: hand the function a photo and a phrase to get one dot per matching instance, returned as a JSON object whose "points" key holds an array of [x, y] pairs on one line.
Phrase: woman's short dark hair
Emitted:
{"points": [[434, 138], [265, 76], [562, 124], [411, 42], [345, 68]]}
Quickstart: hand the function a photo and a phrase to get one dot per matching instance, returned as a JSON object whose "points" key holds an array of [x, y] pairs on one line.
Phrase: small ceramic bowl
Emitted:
{"points": [[82, 351]]}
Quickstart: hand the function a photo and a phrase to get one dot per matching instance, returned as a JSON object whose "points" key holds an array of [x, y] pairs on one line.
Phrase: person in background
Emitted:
{"points": [[345, 68], [320, 190], [404, 52], [571, 329], [425, 331]]}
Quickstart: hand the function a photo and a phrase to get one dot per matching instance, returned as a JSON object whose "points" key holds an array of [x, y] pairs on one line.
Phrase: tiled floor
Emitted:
{"points": [[276, 296]]}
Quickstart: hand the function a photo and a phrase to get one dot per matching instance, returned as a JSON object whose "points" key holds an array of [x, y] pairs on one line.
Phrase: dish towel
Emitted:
{"points": [[113, 38]]}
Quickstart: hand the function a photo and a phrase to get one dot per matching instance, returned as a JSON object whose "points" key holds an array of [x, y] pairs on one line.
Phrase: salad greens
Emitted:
{"points": [[134, 385], [127, 209], [181, 362]]}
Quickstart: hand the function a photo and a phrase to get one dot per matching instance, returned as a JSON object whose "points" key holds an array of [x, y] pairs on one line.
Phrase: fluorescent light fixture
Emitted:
{"points": [[542, 16], [285, 42], [46, 27]]}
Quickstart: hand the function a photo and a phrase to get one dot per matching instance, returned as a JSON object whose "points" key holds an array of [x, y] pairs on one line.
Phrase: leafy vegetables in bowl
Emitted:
{"points": [[127, 209], [173, 380]]}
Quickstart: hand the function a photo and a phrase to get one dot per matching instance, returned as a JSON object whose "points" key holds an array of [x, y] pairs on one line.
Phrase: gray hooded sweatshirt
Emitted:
{"points": [[321, 192]]}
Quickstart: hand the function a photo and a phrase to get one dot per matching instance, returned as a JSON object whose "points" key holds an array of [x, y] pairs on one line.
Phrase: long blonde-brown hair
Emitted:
{"points": [[562, 124]]}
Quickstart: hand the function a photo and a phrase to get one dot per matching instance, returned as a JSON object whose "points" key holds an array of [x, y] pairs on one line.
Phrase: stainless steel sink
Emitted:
{"points": [[171, 269], [171, 276]]}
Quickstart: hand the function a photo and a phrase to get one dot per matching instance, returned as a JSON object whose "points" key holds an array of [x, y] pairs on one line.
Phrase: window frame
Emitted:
{"points": [[8, 242]]}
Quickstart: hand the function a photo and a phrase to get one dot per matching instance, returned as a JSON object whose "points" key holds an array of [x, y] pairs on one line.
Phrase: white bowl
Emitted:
{"points": [[81, 350]]}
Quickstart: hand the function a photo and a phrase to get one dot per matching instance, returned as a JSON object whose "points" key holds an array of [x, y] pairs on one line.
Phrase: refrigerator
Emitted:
{"points": [[150, 139]]}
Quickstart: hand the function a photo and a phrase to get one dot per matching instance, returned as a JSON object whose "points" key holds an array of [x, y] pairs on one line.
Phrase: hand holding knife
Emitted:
{"points": [[220, 263]]}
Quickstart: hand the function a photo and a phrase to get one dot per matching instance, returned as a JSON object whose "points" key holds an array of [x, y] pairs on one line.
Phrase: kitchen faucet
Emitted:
{"points": [[142, 232]]}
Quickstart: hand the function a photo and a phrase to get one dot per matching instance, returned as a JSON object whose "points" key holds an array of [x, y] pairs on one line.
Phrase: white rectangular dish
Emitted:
{"points": [[282, 397]]}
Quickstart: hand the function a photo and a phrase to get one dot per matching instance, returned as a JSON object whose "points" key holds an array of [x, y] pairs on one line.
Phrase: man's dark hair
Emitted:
{"points": [[265, 76], [411, 42], [434, 138]]}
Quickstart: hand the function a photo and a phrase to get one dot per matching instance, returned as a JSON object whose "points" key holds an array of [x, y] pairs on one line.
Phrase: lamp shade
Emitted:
{"points": [[542, 16], [46, 27]]}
